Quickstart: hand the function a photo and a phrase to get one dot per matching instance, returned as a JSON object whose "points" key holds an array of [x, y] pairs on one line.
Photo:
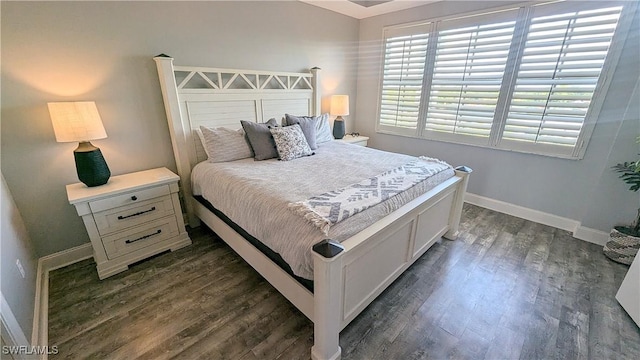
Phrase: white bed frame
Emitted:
{"points": [[347, 276]]}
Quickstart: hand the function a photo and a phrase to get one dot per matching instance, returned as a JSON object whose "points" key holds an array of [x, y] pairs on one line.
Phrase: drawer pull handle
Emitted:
{"points": [[134, 198], [136, 214], [144, 237]]}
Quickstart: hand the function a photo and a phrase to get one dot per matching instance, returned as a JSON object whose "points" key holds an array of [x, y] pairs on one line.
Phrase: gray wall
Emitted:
{"points": [[611, 195], [15, 244], [566, 188], [102, 51]]}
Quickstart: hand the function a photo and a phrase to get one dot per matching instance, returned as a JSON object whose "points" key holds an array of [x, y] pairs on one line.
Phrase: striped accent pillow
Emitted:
{"points": [[222, 144]]}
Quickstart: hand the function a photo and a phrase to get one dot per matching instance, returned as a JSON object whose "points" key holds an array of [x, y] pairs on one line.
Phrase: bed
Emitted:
{"points": [[349, 263]]}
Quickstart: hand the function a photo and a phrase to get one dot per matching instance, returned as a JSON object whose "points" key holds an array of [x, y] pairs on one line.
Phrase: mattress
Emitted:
{"points": [[256, 195]]}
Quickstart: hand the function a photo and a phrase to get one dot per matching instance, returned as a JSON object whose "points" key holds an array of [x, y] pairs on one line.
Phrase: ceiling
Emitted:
{"points": [[361, 9]]}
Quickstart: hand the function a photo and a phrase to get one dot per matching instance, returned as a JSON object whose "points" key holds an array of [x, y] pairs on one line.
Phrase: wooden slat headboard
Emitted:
{"points": [[212, 97]]}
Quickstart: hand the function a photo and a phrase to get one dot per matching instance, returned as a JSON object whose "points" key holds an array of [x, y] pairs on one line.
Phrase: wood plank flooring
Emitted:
{"points": [[506, 289]]}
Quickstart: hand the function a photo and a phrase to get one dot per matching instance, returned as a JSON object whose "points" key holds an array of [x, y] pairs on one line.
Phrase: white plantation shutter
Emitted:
{"points": [[530, 79], [404, 61], [467, 76], [563, 58]]}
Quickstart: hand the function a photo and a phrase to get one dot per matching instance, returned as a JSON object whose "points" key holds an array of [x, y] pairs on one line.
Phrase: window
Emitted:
{"points": [[404, 61], [527, 79]]}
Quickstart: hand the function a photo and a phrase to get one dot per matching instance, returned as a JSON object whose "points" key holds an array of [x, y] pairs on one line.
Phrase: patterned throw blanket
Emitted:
{"points": [[332, 207]]}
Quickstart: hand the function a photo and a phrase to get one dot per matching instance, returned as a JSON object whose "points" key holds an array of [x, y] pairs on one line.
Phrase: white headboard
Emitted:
{"points": [[212, 97]]}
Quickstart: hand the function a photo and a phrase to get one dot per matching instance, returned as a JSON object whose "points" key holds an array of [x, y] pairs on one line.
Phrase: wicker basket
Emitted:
{"points": [[621, 247]]}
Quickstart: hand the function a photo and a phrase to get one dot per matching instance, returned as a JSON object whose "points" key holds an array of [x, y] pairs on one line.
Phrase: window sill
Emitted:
{"points": [[522, 151]]}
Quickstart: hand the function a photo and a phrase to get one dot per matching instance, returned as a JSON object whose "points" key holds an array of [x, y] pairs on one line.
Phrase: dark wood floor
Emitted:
{"points": [[507, 289]]}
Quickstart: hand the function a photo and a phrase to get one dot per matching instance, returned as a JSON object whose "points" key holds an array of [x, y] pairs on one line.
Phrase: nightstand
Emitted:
{"points": [[356, 140], [130, 218]]}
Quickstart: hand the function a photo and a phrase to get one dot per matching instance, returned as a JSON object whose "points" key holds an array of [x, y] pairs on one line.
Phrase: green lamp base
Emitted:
{"points": [[90, 164], [338, 128]]}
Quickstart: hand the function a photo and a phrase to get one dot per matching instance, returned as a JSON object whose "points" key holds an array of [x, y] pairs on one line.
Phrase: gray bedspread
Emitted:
{"points": [[256, 194]]}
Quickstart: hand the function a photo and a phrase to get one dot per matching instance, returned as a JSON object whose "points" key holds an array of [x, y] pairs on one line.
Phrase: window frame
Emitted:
{"points": [[524, 13]]}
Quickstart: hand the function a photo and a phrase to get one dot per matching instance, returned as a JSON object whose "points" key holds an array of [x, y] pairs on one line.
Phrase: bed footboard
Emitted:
{"points": [[349, 276]]}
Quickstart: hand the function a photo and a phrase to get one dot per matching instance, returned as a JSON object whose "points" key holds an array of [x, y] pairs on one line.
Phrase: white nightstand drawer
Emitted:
{"points": [[129, 198], [125, 242], [123, 217]]}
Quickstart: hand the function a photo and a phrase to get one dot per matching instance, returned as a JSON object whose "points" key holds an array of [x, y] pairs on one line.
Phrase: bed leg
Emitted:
{"points": [[456, 210], [327, 300]]}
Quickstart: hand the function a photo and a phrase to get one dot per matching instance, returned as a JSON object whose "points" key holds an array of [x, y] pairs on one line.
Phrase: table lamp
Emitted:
{"points": [[339, 107], [80, 121]]}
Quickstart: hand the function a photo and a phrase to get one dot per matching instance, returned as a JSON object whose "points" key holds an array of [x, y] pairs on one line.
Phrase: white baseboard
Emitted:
{"points": [[522, 212], [591, 235], [66, 257], [40, 334], [579, 232], [47, 263]]}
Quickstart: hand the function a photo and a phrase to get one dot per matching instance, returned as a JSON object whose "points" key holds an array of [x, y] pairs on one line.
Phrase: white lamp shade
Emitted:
{"points": [[76, 121], [339, 105]]}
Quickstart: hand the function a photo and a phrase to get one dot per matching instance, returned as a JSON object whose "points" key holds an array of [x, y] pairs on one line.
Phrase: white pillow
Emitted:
{"points": [[222, 144]]}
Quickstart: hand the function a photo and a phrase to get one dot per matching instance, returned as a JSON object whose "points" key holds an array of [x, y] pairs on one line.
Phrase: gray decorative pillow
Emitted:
{"points": [[308, 125], [290, 142], [323, 130], [260, 139], [222, 144]]}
